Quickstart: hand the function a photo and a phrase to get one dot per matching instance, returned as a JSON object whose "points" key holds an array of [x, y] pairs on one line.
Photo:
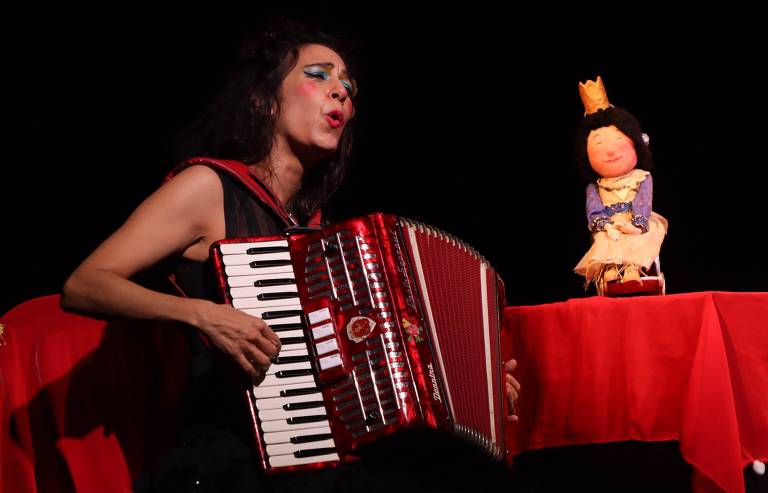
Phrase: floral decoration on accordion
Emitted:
{"points": [[359, 328], [413, 329]]}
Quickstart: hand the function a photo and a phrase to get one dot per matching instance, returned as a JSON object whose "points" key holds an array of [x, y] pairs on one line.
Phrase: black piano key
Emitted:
{"points": [[292, 392], [292, 340], [312, 438], [291, 230], [290, 359], [267, 249], [300, 454], [276, 296], [306, 419], [292, 373], [284, 327], [280, 314], [295, 406], [273, 282], [269, 263]]}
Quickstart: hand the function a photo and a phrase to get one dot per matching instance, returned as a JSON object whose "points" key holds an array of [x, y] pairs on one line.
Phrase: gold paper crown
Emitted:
{"points": [[593, 96]]}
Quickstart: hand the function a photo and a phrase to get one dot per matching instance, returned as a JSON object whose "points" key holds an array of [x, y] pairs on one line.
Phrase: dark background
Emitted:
{"points": [[465, 122]]}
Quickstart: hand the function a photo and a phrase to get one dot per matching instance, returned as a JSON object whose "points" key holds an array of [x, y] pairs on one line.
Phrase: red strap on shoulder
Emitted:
{"points": [[242, 174]]}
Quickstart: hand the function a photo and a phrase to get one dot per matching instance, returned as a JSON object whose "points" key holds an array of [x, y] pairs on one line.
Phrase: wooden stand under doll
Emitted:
{"points": [[626, 233]]}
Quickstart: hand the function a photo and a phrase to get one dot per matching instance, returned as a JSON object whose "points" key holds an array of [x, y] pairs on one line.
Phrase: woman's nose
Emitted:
{"points": [[339, 92]]}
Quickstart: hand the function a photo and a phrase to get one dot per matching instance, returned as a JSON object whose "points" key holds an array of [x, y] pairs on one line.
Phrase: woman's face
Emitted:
{"points": [[610, 152], [315, 103]]}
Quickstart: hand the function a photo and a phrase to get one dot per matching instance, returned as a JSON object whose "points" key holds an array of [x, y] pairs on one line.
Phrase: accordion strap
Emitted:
{"points": [[251, 182], [242, 174]]}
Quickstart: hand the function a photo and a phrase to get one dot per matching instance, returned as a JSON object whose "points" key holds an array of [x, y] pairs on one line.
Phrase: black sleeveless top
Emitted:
{"points": [[216, 450]]}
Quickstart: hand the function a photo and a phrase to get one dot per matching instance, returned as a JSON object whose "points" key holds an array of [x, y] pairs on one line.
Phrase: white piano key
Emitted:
{"points": [[289, 448], [241, 248], [285, 436], [303, 365], [299, 349], [318, 316], [247, 270], [279, 402], [253, 291], [330, 361], [282, 425], [322, 331], [246, 259], [295, 352], [272, 414], [271, 380], [326, 347], [290, 460], [274, 391], [242, 281], [261, 310], [277, 305], [290, 333]]}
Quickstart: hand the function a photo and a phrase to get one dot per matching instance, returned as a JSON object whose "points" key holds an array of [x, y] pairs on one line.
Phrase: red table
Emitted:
{"points": [[689, 367]]}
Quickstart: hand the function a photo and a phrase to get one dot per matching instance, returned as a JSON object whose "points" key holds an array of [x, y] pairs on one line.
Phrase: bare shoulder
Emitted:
{"points": [[194, 190], [195, 180]]}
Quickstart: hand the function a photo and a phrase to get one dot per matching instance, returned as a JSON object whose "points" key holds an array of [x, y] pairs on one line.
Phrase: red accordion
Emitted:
{"points": [[385, 324]]}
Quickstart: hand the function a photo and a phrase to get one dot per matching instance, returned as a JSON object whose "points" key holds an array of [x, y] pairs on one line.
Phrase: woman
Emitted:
{"points": [[285, 117]]}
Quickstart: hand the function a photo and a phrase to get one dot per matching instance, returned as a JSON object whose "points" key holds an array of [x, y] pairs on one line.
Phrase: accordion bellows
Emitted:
{"points": [[385, 324]]}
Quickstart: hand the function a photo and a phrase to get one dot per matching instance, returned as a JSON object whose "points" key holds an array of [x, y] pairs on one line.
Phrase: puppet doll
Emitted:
{"points": [[626, 234]]}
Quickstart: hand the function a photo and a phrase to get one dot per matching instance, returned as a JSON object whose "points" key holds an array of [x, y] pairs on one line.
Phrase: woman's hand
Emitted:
{"points": [[512, 387], [247, 339]]}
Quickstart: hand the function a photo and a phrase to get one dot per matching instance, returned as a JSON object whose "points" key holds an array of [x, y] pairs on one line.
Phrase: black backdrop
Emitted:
{"points": [[465, 121]]}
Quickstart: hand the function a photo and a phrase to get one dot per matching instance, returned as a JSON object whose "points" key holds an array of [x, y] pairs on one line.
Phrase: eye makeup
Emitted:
{"points": [[325, 72]]}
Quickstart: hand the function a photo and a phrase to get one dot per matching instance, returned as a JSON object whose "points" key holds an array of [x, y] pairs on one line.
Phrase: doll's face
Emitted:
{"points": [[610, 152]]}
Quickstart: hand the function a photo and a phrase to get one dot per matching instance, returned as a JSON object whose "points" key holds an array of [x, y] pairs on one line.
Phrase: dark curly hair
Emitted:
{"points": [[625, 122], [240, 123]]}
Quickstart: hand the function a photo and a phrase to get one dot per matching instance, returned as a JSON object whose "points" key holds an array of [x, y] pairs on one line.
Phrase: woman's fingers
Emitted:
{"points": [[255, 373], [512, 388]]}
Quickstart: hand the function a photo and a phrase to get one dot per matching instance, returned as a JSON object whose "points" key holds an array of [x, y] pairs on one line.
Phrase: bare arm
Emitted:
{"points": [[182, 217]]}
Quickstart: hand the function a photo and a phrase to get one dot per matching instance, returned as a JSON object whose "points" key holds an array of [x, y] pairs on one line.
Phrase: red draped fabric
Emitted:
{"points": [[85, 405], [689, 367]]}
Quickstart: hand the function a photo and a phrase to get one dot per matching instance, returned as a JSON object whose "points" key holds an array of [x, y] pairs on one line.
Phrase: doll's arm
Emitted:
{"points": [[597, 218], [641, 205]]}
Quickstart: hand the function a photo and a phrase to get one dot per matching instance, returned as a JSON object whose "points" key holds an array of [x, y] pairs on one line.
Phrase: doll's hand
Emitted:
{"points": [[629, 229], [612, 232], [512, 387]]}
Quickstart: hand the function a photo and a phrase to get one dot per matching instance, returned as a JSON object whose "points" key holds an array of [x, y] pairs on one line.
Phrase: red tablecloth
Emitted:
{"points": [[689, 367], [84, 406]]}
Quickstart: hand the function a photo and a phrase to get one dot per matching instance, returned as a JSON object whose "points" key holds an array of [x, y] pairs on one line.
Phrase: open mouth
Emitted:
{"points": [[335, 118]]}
